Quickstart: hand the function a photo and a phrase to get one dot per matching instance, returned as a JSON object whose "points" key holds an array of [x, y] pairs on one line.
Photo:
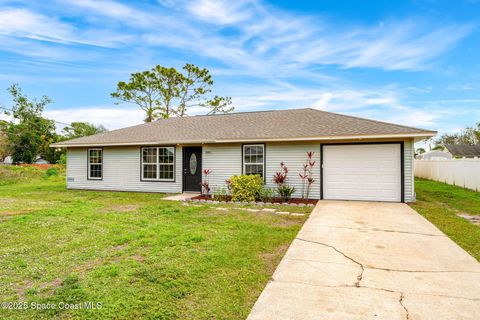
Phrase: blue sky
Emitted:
{"points": [[410, 62]]}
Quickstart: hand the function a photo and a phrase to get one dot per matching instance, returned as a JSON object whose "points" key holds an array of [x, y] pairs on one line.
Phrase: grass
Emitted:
{"points": [[138, 255], [440, 203]]}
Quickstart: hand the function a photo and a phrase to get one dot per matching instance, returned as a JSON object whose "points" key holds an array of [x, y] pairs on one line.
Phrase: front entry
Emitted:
{"points": [[192, 169]]}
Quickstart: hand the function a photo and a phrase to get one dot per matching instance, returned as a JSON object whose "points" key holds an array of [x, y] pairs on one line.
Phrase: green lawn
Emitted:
{"points": [[440, 203], [140, 256]]}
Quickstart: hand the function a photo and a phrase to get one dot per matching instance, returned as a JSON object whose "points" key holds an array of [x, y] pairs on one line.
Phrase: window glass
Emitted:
{"points": [[95, 163], [253, 159], [193, 164], [158, 163]]}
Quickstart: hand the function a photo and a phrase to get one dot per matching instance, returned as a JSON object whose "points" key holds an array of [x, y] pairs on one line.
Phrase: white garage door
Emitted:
{"points": [[362, 172]]}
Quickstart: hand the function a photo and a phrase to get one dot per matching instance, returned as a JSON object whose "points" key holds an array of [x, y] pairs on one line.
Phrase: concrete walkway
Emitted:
{"points": [[367, 260]]}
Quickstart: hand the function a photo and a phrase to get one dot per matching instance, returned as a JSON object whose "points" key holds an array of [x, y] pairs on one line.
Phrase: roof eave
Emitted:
{"points": [[421, 135]]}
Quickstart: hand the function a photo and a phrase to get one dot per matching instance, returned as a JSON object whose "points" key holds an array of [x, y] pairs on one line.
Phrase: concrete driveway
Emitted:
{"points": [[367, 260]]}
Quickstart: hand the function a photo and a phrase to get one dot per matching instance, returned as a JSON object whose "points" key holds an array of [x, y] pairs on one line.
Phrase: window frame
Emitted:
{"points": [[89, 164], [264, 164], [158, 164]]}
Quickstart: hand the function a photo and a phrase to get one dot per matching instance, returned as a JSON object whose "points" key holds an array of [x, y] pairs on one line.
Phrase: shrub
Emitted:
{"points": [[63, 159], [280, 179], [52, 171], [266, 195], [246, 188], [285, 192], [220, 194]]}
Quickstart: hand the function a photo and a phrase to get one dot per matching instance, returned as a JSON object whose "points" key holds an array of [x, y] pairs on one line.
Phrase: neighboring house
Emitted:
{"points": [[434, 155], [463, 151], [40, 160], [357, 159], [8, 160]]}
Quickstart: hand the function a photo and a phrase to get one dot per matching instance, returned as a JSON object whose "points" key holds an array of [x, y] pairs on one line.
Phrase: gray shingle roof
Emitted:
{"points": [[464, 150], [294, 124]]}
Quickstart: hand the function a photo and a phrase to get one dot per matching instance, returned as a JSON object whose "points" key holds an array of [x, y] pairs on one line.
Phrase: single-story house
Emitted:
{"points": [[463, 151], [356, 159]]}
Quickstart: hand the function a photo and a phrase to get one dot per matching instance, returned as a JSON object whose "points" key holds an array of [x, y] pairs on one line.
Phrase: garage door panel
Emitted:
{"points": [[362, 172]]}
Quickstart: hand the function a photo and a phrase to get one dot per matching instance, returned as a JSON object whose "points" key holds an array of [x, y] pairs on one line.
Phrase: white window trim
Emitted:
{"points": [[254, 163], [90, 164], [157, 164]]}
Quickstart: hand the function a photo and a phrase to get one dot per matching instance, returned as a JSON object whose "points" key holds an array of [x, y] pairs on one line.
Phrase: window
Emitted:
{"points": [[254, 159], [158, 163], [95, 164]]}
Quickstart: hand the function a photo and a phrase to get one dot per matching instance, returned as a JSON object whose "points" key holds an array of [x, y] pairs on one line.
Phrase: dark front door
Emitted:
{"points": [[192, 169]]}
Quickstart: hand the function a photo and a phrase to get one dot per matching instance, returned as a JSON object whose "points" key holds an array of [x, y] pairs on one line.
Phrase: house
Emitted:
{"points": [[464, 151], [434, 155], [8, 160], [357, 159], [40, 160]]}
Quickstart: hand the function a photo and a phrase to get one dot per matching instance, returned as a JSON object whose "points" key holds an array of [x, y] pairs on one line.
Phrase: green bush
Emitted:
{"points": [[286, 192], [266, 195], [220, 194], [63, 159], [246, 188], [52, 171]]}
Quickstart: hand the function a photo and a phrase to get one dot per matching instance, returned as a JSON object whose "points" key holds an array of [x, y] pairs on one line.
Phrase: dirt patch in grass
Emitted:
{"points": [[120, 247], [272, 259], [22, 289], [286, 222], [121, 208], [15, 212], [138, 258]]}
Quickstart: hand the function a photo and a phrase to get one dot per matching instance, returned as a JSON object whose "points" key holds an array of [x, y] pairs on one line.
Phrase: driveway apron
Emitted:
{"points": [[371, 260]]}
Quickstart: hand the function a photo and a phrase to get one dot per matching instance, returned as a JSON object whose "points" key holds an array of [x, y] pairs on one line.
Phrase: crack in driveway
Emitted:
{"points": [[385, 230], [383, 269], [359, 277], [402, 296]]}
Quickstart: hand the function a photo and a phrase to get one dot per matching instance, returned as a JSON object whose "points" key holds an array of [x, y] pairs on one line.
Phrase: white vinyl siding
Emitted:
{"points": [[408, 156], [294, 156], [121, 171], [122, 167], [226, 160]]}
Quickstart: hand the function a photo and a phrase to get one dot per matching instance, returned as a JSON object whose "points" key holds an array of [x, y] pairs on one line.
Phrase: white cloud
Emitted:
{"points": [[219, 11], [263, 41], [23, 23], [115, 10], [108, 116]]}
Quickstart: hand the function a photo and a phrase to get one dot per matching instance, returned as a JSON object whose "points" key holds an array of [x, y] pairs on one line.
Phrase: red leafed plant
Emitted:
{"points": [[280, 179], [306, 175], [206, 183]]}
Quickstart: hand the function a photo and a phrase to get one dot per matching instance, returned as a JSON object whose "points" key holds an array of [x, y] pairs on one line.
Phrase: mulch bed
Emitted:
{"points": [[273, 200]]}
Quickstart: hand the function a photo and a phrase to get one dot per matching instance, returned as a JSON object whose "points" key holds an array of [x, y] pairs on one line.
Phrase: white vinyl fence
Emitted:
{"points": [[459, 172]]}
